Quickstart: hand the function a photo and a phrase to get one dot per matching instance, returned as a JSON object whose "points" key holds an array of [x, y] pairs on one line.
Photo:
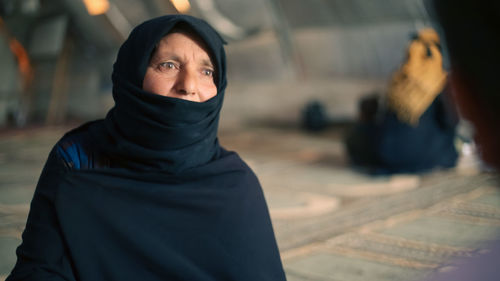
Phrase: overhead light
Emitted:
{"points": [[96, 7], [182, 6]]}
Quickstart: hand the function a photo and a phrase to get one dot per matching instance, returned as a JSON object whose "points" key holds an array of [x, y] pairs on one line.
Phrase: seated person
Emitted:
{"points": [[413, 129], [148, 193]]}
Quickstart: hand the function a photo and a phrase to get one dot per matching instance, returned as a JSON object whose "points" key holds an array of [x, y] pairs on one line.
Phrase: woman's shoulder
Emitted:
{"points": [[232, 161], [76, 149]]}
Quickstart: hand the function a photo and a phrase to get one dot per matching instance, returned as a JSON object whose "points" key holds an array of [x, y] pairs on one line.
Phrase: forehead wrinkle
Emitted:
{"points": [[168, 50]]}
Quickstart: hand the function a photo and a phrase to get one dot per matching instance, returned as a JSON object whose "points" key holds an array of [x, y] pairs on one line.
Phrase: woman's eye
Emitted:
{"points": [[208, 72], [167, 65]]}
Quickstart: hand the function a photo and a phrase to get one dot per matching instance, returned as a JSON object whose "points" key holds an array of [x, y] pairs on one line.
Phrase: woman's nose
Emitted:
{"points": [[186, 83]]}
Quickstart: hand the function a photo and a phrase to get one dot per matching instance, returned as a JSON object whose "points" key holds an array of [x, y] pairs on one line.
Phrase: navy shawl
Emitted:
{"points": [[177, 206]]}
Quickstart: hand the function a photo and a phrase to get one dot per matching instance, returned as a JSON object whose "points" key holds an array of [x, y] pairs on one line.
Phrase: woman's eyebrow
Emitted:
{"points": [[207, 62], [169, 56]]}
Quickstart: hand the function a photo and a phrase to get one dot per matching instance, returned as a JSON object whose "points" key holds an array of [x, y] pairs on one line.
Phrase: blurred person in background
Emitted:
{"points": [[412, 128], [148, 193], [472, 37]]}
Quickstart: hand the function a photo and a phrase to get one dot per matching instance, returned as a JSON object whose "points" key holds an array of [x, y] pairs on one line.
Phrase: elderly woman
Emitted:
{"points": [[148, 193]]}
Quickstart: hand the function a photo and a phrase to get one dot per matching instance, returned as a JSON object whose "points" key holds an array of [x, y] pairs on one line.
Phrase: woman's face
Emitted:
{"points": [[181, 68]]}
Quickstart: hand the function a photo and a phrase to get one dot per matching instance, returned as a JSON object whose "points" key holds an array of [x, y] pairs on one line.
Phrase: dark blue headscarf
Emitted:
{"points": [[151, 131]]}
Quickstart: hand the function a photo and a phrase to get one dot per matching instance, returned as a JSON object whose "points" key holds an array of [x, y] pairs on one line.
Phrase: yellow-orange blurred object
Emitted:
{"points": [[22, 59], [182, 6], [96, 7], [419, 80]]}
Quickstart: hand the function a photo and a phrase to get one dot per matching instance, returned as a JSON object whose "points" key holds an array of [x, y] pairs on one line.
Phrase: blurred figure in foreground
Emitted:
{"points": [[413, 129], [472, 30], [472, 36]]}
